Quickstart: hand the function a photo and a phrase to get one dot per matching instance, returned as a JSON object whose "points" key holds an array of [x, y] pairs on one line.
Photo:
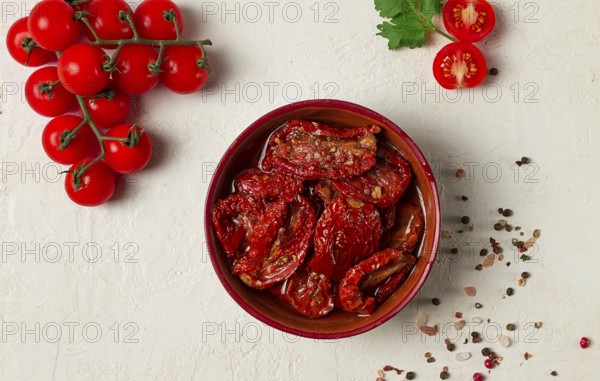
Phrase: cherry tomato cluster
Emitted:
{"points": [[75, 37], [461, 64], [321, 221]]}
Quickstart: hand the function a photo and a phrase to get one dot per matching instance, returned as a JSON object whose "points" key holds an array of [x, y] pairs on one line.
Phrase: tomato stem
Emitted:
{"points": [[67, 136], [87, 119], [437, 30]]}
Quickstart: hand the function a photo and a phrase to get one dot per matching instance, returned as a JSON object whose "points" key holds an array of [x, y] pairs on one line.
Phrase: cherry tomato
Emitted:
{"points": [[469, 20], [23, 49], [108, 108], [459, 65], [149, 19], [78, 148], [184, 71], [92, 188], [46, 95], [80, 69], [104, 17], [52, 26], [132, 73], [131, 155]]}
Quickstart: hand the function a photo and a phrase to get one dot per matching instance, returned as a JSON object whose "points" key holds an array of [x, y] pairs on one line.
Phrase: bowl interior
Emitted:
{"points": [[265, 306]]}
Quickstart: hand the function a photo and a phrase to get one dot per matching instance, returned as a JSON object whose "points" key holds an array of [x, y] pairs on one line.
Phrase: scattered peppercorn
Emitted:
{"points": [[525, 160], [477, 377], [460, 173], [538, 325], [474, 334], [479, 267], [435, 301], [517, 228], [500, 210], [494, 71], [510, 291], [521, 282], [584, 342], [478, 305], [507, 264], [465, 220], [451, 347], [410, 376], [554, 373], [508, 228], [507, 213], [464, 198], [485, 351], [510, 327], [458, 315], [444, 375], [454, 250], [477, 339], [497, 227], [431, 359], [497, 250], [524, 275], [483, 252], [525, 257], [488, 363]]}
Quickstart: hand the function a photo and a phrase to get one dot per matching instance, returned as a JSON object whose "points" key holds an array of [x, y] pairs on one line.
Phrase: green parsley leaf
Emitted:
{"points": [[410, 21], [403, 31]]}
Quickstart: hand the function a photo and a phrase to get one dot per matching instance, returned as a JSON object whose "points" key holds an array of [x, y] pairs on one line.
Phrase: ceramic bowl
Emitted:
{"points": [[248, 147]]}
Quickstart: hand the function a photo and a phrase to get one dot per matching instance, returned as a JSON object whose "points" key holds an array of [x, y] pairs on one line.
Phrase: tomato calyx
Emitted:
{"points": [[28, 44], [107, 94], [46, 88]]}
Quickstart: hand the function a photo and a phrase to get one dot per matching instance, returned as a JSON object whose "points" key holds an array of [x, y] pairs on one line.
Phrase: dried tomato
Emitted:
{"points": [[367, 274], [384, 184], [289, 249], [234, 218], [388, 217], [409, 225], [263, 185], [313, 151], [309, 293], [347, 232]]}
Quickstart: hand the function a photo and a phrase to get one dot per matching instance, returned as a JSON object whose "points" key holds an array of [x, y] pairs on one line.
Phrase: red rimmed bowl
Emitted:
{"points": [[248, 146]]}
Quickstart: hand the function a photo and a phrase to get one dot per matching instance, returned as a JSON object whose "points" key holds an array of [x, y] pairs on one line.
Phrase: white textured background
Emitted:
{"points": [[162, 312]]}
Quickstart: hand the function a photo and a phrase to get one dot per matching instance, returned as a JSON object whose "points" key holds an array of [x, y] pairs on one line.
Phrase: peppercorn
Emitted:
{"points": [[465, 220], [554, 373], [538, 325], [525, 160], [494, 71], [410, 376], [510, 291], [483, 252], [507, 213], [497, 227], [460, 173], [500, 210], [485, 351], [435, 301], [454, 250], [524, 275], [464, 198], [444, 375], [508, 228], [478, 305], [431, 359], [474, 334], [497, 250], [451, 347], [510, 327], [479, 267]]}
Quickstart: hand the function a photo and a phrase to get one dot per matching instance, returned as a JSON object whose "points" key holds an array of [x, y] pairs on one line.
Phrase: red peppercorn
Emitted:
{"points": [[584, 342], [458, 315], [477, 377], [488, 363]]}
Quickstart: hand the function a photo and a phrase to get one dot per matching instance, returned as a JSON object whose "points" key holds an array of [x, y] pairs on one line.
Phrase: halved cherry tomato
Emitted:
{"points": [[76, 149], [459, 65], [23, 48], [469, 20]]}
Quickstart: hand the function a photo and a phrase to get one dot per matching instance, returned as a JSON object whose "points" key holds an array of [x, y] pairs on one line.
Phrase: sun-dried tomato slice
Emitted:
{"points": [[408, 227], [289, 249], [234, 219], [347, 232], [261, 238], [309, 293], [367, 274], [392, 283], [313, 150], [384, 184], [263, 185]]}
